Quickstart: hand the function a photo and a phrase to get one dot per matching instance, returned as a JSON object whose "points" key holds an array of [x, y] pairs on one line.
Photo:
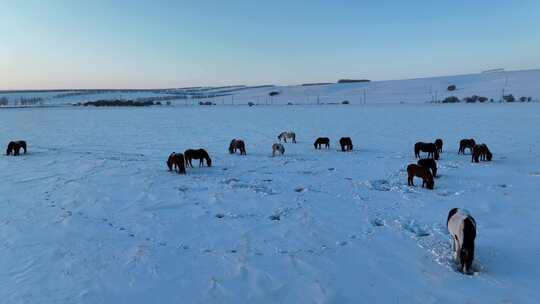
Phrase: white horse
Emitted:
{"points": [[284, 135], [277, 148], [462, 229]]}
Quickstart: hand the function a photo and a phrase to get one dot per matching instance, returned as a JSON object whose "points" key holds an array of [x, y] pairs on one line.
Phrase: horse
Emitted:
{"points": [[466, 144], [346, 144], [429, 163], [322, 141], [199, 154], [419, 171], [237, 144], [439, 143], [284, 135], [462, 228], [277, 147], [430, 148], [481, 152], [14, 147], [176, 162]]}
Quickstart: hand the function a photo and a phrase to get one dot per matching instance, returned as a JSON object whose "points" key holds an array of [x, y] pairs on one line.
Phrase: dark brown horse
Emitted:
{"points": [[14, 147], [439, 144], [237, 144], [199, 154], [430, 148], [466, 144], [176, 162], [481, 152], [346, 144], [430, 164], [322, 141], [418, 171]]}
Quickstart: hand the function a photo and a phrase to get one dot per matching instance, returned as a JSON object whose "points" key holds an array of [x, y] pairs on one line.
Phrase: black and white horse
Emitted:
{"points": [[284, 135], [462, 229]]}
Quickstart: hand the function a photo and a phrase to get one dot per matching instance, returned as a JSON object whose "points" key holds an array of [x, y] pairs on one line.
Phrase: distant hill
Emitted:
{"points": [[491, 85]]}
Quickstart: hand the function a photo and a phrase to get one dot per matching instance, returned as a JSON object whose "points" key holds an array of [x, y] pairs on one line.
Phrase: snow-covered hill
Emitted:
{"points": [[491, 85]]}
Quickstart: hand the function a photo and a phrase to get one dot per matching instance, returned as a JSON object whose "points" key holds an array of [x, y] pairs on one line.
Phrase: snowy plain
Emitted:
{"points": [[91, 215]]}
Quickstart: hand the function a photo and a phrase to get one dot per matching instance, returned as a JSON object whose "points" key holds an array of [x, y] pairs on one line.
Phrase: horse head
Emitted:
{"points": [[231, 146]]}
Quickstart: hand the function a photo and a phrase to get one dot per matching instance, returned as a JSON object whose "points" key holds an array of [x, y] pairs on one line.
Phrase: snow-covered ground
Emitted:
{"points": [[91, 215], [491, 85]]}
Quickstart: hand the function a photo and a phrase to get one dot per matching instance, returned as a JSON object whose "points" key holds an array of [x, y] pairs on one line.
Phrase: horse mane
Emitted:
{"points": [[450, 214]]}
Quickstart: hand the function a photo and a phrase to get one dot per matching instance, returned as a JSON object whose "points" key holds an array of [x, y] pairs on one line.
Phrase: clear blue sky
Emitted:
{"points": [[147, 44]]}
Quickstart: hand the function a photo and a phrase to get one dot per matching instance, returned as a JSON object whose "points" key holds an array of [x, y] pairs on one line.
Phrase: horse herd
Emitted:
{"points": [[461, 225]]}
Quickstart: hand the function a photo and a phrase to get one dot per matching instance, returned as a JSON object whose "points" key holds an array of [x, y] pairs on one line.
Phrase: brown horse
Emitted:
{"points": [[322, 141], [439, 144], [176, 162], [418, 171], [346, 144], [481, 152], [430, 164], [466, 144], [430, 148], [237, 144], [199, 154], [14, 147]]}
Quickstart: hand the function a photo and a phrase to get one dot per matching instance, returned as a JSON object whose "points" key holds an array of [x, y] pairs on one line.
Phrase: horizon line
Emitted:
{"points": [[4, 91]]}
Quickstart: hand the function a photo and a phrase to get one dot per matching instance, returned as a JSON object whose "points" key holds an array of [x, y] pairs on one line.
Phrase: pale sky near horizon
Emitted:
{"points": [[61, 44]]}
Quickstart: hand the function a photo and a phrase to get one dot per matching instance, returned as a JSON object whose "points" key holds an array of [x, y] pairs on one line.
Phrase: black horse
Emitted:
{"points": [[176, 162], [429, 163], [430, 148], [14, 147], [237, 144], [322, 141], [199, 154], [481, 152], [346, 144], [466, 144]]}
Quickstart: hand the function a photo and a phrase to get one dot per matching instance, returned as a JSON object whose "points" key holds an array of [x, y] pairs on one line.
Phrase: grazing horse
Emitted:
{"points": [[199, 154], [419, 171], [277, 148], [346, 144], [439, 144], [284, 135], [429, 163], [14, 147], [430, 148], [481, 152], [322, 141], [462, 228], [176, 162], [466, 144], [237, 144]]}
